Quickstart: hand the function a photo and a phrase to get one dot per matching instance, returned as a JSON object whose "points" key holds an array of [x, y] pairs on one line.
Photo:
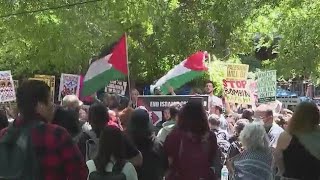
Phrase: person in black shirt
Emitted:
{"points": [[140, 131], [97, 118]]}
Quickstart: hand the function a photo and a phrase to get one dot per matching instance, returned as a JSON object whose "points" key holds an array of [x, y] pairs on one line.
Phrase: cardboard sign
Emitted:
{"points": [[237, 71], [117, 87], [236, 91], [7, 90], [69, 84], [51, 81], [267, 86], [156, 104]]}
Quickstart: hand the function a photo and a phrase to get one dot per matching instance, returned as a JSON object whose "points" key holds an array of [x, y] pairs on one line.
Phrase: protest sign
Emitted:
{"points": [[251, 87], [156, 104], [52, 83], [267, 86], [7, 90], [117, 87], [236, 91], [69, 84], [237, 71]]}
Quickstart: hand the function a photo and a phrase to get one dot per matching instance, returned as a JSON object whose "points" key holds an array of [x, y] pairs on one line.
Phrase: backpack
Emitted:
{"points": [[116, 173], [92, 145], [17, 155], [194, 155]]}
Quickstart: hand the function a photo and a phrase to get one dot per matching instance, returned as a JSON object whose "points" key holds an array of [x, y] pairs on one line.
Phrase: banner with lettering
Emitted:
{"points": [[267, 86], [69, 84], [50, 80], [7, 90], [156, 104], [117, 87], [237, 71], [236, 91]]}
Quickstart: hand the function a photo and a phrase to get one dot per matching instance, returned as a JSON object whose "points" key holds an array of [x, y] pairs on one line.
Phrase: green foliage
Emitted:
{"points": [[161, 34]]}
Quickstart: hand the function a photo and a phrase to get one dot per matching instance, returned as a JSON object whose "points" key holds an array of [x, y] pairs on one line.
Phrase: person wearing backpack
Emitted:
{"points": [[89, 140], [191, 147], [31, 148], [110, 163]]}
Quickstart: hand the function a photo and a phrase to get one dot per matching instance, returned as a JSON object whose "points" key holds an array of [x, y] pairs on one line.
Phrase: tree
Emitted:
{"points": [[161, 34]]}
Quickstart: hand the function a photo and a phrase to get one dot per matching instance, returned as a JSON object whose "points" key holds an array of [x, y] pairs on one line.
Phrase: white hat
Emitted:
{"points": [[71, 100]]}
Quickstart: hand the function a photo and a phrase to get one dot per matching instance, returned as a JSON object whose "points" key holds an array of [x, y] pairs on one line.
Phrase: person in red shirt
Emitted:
{"points": [[59, 158]]}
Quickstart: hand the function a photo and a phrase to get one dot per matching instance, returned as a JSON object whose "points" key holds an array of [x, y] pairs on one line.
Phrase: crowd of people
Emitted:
{"points": [[115, 139]]}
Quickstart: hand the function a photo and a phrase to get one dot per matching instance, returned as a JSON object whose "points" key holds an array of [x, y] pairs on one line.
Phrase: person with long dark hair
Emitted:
{"points": [[191, 147], [140, 131], [111, 153]]}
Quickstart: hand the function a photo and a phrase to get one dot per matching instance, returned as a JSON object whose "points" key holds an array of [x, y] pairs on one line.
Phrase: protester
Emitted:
{"points": [[114, 102], [124, 103], [3, 120], [134, 98], [125, 116], [222, 141], [140, 130], [50, 142], [169, 125], [83, 118], [217, 110], [113, 120], [111, 157], [97, 119], [232, 119], [191, 147], [255, 162], [72, 102], [235, 144], [69, 119], [248, 114], [209, 90], [265, 114], [222, 135], [165, 117], [298, 149]]}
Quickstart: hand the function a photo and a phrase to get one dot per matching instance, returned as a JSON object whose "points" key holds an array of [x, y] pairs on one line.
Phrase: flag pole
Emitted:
{"points": [[209, 68], [129, 83]]}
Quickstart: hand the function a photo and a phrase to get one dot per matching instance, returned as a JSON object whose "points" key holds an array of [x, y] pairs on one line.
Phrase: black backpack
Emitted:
{"points": [[17, 155], [116, 173]]}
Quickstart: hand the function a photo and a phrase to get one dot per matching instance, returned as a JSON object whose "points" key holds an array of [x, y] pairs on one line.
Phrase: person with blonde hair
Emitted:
{"points": [[255, 161], [298, 150]]}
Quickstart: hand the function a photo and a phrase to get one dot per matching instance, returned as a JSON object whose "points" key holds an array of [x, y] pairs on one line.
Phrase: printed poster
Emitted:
{"points": [[267, 86], [117, 87], [156, 104], [7, 90], [237, 71], [52, 83], [69, 84], [236, 91]]}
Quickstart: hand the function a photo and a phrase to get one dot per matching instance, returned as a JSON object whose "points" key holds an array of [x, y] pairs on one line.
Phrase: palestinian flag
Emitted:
{"points": [[184, 72], [113, 66]]}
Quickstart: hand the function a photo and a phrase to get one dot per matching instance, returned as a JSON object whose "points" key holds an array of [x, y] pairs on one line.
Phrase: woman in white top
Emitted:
{"points": [[111, 151]]}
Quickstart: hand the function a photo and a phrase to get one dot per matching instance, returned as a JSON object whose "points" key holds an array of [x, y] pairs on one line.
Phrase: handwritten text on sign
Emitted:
{"points": [[236, 92], [237, 71], [267, 86]]}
